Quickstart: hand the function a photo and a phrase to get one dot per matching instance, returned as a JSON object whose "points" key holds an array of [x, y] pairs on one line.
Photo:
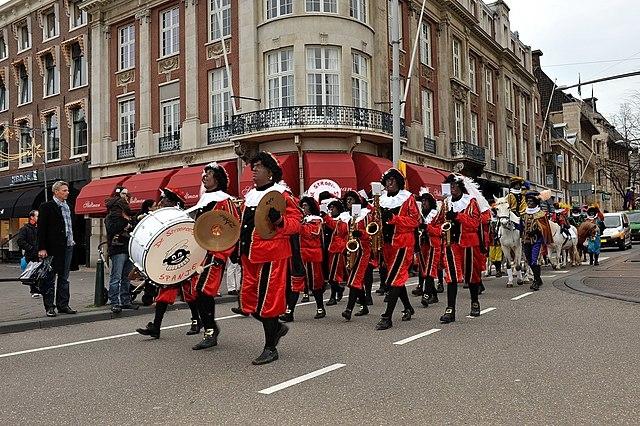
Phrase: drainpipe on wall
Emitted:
{"points": [[298, 144]]}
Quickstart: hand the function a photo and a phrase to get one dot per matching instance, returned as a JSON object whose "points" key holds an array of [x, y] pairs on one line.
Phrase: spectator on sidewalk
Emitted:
{"points": [[234, 276], [55, 238], [118, 224], [28, 243]]}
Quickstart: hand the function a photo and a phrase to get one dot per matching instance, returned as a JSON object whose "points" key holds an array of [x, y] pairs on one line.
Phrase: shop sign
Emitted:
{"points": [[322, 185], [27, 177]]}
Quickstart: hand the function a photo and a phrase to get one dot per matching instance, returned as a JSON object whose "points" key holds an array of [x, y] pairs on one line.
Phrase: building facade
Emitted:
{"points": [[44, 106]]}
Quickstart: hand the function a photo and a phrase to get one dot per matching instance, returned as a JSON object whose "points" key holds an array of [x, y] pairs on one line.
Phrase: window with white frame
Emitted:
{"points": [[360, 80], [457, 59], [127, 47], [427, 114], [24, 85], [474, 128], [511, 146], [77, 17], [523, 109], [49, 24], [170, 31], [323, 76], [472, 74], [50, 75], [78, 67], [170, 114], [276, 8], [4, 149], [24, 37], [79, 132], [4, 96], [459, 121], [127, 120], [389, 24], [508, 93], [326, 6], [488, 76], [52, 134], [280, 79], [25, 148], [3, 46], [425, 43], [219, 15], [358, 10], [220, 97], [491, 139]]}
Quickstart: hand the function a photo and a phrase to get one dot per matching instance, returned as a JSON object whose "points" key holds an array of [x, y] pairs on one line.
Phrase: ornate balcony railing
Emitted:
{"points": [[170, 142], [511, 168], [219, 134], [430, 145], [311, 116], [466, 150], [126, 150]]}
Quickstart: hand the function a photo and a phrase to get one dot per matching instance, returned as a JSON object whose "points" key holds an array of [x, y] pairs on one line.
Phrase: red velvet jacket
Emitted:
{"points": [[311, 239], [404, 222], [340, 234]]}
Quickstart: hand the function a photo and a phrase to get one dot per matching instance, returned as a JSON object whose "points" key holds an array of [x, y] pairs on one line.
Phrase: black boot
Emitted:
{"points": [[406, 314], [440, 287], [210, 339], [384, 323], [475, 309], [195, 327], [150, 330], [268, 355], [449, 316], [347, 314], [287, 316], [320, 313], [364, 310], [305, 297], [332, 301]]}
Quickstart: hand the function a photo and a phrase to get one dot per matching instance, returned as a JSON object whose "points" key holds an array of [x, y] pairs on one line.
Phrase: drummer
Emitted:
{"points": [[167, 295]]}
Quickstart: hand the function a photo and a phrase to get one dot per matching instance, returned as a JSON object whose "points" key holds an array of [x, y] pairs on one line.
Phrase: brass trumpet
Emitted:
{"points": [[374, 228], [353, 245]]}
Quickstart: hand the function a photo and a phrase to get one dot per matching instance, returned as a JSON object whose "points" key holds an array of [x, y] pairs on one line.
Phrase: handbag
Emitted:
{"points": [[36, 273]]}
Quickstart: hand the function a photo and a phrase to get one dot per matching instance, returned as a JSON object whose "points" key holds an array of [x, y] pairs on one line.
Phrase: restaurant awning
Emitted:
{"points": [[369, 168], [30, 199], [92, 197], [146, 186], [336, 166], [289, 164], [7, 201], [189, 180], [421, 176]]}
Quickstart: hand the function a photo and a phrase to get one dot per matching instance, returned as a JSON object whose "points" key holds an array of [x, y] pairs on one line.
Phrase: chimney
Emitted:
{"points": [[535, 58], [591, 102]]}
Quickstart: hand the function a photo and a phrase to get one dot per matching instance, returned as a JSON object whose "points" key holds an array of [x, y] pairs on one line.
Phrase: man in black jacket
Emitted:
{"points": [[55, 238], [28, 243]]}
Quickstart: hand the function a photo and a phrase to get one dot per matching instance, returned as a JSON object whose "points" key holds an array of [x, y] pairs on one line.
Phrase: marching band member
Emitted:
{"points": [[167, 295], [400, 215], [215, 182], [357, 271], [516, 200], [338, 222], [311, 250], [430, 249], [536, 233], [296, 273], [463, 214], [265, 262]]}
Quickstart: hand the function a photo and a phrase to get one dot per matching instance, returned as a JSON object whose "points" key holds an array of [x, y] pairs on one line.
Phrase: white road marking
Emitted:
{"points": [[417, 336], [548, 276], [562, 272], [482, 312], [304, 378], [521, 296], [603, 258]]}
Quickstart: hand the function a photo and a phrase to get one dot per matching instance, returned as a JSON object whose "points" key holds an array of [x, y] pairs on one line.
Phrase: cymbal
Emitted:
{"points": [[264, 227], [216, 230]]}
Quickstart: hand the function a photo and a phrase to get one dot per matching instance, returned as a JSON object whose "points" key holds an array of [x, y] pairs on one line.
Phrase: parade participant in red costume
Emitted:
{"points": [[215, 182], [460, 243], [338, 222], [311, 250], [167, 295], [400, 216], [265, 262], [430, 250]]}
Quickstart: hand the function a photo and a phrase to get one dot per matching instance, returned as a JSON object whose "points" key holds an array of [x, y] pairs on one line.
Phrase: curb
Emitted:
{"points": [[97, 314], [578, 284]]}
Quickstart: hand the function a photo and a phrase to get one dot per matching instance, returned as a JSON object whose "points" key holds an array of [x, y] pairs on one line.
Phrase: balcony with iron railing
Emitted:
{"points": [[169, 142], [511, 168], [126, 150], [430, 145], [467, 151], [219, 134], [311, 117]]}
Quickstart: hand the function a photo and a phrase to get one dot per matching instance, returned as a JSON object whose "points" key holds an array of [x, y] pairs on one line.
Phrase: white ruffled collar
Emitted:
{"points": [[429, 218], [515, 191], [344, 217], [396, 201], [363, 215], [533, 210], [253, 197], [310, 218], [210, 197], [461, 204]]}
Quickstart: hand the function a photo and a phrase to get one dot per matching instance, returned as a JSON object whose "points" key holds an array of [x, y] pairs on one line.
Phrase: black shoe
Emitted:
{"points": [[195, 328], [210, 339], [131, 307], [239, 312], [233, 293], [449, 316], [440, 288], [535, 286], [332, 301], [417, 291], [384, 324], [429, 298], [281, 333], [67, 310], [369, 300], [116, 309], [149, 330], [51, 312], [596, 263], [406, 315], [287, 316], [475, 309], [346, 314], [380, 291], [424, 300], [320, 313], [364, 310], [305, 298], [268, 355]]}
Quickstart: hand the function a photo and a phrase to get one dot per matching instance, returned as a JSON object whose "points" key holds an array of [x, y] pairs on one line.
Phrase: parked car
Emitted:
{"points": [[617, 232], [634, 223]]}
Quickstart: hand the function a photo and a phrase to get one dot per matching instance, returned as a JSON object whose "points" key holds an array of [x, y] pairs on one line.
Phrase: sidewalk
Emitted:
{"points": [[615, 279], [22, 312]]}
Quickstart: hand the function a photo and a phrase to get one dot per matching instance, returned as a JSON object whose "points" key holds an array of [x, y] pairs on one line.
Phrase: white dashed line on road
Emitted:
{"points": [[303, 378], [547, 276], [417, 336], [521, 296], [562, 272], [484, 311]]}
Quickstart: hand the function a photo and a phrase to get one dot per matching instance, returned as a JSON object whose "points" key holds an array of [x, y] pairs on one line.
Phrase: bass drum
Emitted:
{"points": [[163, 247]]}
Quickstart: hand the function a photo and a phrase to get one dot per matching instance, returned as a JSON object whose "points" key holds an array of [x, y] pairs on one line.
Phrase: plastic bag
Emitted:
{"points": [[23, 263]]}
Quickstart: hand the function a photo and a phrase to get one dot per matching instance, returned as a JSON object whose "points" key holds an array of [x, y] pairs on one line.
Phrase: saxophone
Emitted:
{"points": [[353, 245], [445, 228], [374, 228]]}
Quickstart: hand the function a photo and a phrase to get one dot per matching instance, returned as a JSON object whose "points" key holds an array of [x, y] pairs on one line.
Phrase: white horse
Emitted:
{"points": [[510, 240], [563, 252]]}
